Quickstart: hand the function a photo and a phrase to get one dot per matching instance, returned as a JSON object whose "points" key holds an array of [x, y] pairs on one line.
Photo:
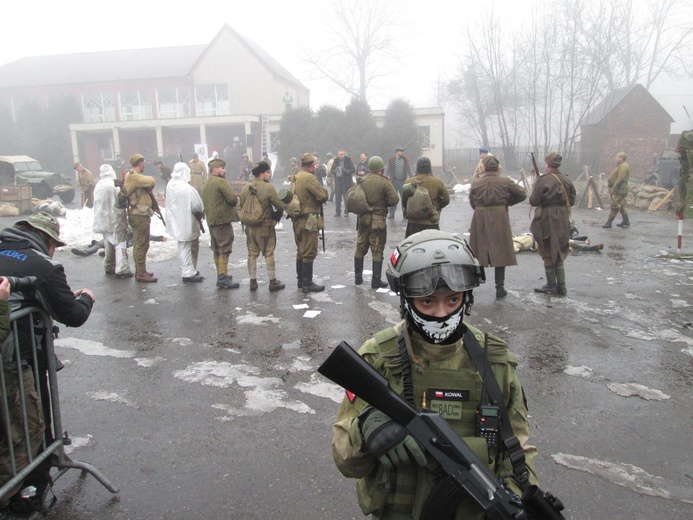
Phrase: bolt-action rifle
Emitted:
{"points": [[322, 229], [464, 471], [535, 168]]}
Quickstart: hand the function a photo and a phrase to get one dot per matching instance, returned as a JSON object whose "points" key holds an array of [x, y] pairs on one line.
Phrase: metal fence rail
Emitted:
{"points": [[36, 324]]}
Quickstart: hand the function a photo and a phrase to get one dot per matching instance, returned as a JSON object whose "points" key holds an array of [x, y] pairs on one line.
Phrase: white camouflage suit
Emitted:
{"points": [[182, 203], [111, 221]]}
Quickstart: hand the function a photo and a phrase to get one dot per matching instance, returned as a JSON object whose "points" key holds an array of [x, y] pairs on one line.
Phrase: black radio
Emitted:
{"points": [[488, 423]]}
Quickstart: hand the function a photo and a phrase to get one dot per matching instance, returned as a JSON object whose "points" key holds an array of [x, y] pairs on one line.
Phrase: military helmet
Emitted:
{"points": [[423, 260], [375, 164]]}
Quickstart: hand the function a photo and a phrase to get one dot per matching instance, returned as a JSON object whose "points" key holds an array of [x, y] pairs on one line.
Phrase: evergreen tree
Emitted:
{"points": [[296, 136], [329, 126], [399, 129], [361, 133]]}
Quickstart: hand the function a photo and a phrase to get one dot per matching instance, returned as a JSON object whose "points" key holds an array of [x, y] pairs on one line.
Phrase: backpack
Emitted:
{"points": [[356, 200], [293, 208], [252, 212], [419, 205]]}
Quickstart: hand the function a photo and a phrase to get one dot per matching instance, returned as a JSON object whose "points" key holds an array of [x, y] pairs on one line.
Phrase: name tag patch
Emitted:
{"points": [[448, 403]]}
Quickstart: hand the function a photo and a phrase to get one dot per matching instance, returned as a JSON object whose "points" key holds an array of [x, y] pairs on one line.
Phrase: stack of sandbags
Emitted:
{"points": [[649, 197], [7, 209]]}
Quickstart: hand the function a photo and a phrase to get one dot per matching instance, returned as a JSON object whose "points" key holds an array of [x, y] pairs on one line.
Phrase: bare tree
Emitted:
{"points": [[361, 41]]}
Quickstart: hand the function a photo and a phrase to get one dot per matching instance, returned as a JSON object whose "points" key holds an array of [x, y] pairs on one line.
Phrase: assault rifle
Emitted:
{"points": [[465, 473], [155, 205], [535, 168]]}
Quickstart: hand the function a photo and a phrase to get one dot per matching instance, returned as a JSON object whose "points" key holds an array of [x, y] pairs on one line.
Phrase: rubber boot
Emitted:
{"points": [[500, 282], [299, 273], [376, 282], [358, 271], [625, 224], [308, 285], [560, 280], [550, 286]]}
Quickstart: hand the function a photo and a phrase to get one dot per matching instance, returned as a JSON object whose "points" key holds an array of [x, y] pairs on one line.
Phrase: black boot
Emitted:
{"points": [[376, 282], [625, 224], [500, 282], [89, 250], [308, 285], [612, 216], [550, 286], [299, 273], [358, 271]]}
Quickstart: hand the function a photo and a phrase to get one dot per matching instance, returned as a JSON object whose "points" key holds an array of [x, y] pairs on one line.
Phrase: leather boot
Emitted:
{"points": [[253, 284], [308, 285], [550, 286], [358, 271], [560, 280], [299, 273], [376, 282], [612, 216], [276, 285], [625, 224], [88, 250], [500, 282]]}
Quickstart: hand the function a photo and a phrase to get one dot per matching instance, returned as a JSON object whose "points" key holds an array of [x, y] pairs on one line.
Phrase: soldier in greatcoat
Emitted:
{"points": [[490, 234], [552, 196]]}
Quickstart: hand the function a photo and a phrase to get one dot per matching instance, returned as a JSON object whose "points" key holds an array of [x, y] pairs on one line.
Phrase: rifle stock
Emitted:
{"points": [[346, 368], [535, 168]]}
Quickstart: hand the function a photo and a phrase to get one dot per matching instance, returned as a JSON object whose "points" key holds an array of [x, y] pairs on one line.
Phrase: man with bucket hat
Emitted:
{"points": [[26, 249]]}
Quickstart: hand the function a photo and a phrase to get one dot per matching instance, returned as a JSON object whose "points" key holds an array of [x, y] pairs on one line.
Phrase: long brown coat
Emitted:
{"points": [[490, 234], [551, 223]]}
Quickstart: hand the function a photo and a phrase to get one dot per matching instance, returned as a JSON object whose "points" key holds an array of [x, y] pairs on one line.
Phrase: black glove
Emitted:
{"points": [[389, 442]]}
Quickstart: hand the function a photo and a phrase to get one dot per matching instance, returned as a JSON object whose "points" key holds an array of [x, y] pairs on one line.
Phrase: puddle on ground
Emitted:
{"points": [[292, 345]]}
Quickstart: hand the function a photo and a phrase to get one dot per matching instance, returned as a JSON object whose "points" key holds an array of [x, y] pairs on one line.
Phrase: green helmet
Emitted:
{"points": [[421, 261], [375, 164]]}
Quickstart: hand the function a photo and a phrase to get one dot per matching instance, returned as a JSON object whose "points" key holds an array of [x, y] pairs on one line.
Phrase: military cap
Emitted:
{"points": [[483, 150], [216, 163], [46, 223], [136, 158], [491, 164], [423, 165], [622, 155], [554, 160], [260, 167], [399, 149], [76, 165], [307, 158]]}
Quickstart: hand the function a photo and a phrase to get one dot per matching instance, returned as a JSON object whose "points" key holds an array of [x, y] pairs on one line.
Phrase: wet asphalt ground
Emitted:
{"points": [[204, 403]]}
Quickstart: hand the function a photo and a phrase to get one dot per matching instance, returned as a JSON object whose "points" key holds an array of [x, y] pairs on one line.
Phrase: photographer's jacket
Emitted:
{"points": [[451, 381], [23, 253]]}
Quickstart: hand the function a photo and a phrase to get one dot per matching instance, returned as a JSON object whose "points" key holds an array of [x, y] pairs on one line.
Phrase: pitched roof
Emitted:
{"points": [[121, 65], [611, 101]]}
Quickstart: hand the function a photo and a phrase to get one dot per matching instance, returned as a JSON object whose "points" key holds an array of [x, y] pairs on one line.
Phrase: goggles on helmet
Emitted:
{"points": [[423, 282]]}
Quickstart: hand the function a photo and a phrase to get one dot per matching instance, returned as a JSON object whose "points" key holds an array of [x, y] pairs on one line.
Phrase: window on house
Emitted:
{"points": [[425, 137], [173, 102], [106, 148], [274, 142], [135, 105], [212, 100], [98, 107], [21, 105]]}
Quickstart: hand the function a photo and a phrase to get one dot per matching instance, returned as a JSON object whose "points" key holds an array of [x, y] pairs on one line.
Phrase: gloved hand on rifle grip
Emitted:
{"points": [[389, 442]]}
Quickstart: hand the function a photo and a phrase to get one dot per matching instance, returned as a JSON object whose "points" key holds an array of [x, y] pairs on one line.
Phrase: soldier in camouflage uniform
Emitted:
{"points": [[618, 189], [372, 227], [262, 238], [436, 190], [395, 477], [85, 180], [311, 195]]}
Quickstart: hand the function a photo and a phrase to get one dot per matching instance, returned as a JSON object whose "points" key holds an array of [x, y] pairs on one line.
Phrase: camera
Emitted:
{"points": [[21, 283]]}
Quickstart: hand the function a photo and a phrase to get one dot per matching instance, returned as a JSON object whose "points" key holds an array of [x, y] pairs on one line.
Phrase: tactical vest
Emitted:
{"points": [[455, 394]]}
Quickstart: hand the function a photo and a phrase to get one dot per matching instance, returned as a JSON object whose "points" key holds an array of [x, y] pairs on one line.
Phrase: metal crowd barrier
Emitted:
{"points": [[49, 404]]}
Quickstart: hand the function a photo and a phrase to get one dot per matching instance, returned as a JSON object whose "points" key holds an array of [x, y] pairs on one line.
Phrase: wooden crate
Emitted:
{"points": [[20, 196]]}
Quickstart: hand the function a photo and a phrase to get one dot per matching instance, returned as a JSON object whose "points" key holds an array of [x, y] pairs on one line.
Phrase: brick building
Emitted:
{"points": [[628, 120]]}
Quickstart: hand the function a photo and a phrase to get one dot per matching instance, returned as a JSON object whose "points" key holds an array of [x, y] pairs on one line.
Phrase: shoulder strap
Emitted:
{"points": [[510, 441], [565, 192]]}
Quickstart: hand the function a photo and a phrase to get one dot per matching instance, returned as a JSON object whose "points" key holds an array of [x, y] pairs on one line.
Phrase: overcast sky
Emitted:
{"points": [[43, 27]]}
